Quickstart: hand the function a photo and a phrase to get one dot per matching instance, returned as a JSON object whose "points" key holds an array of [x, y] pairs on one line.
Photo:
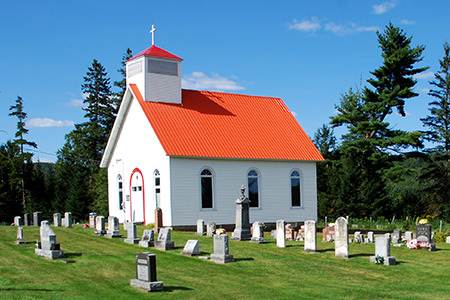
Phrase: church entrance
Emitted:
{"points": [[137, 198]]}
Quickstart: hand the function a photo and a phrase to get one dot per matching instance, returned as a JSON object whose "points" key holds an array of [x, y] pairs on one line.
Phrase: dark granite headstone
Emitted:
{"points": [[146, 273]]}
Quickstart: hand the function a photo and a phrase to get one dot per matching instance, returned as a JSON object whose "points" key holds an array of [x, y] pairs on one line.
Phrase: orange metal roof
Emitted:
{"points": [[223, 125], [156, 51]]}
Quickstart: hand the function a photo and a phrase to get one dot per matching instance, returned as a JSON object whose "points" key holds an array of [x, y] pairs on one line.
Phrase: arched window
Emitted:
{"points": [[206, 181], [296, 200], [253, 188], [157, 188], [120, 190]]}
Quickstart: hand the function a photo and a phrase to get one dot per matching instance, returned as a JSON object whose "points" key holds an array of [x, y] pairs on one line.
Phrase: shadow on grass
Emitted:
{"points": [[243, 259], [325, 250], [69, 255], [30, 289], [360, 254], [174, 288]]}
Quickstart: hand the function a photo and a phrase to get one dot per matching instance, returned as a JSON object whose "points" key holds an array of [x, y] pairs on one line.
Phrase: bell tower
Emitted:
{"points": [[157, 74]]}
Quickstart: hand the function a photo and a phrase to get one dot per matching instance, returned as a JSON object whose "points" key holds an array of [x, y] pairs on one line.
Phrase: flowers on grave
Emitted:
{"points": [[288, 226], [85, 225], [379, 259], [262, 225], [330, 224], [423, 221], [412, 244], [220, 231]]}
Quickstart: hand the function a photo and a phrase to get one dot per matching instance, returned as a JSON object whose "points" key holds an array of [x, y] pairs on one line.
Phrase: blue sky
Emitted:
{"points": [[306, 52]]}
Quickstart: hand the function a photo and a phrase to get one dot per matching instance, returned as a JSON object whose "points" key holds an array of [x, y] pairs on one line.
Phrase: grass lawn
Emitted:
{"points": [[103, 269]]}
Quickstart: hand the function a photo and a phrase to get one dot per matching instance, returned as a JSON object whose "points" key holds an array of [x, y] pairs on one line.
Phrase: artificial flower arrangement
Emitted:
{"points": [[220, 231], [423, 221], [415, 244]]}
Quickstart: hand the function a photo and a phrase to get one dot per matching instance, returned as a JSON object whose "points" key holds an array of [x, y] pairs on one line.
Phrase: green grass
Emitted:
{"points": [[103, 269]]}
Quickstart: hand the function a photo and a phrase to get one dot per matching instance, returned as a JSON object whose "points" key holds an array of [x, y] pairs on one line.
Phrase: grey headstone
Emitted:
{"points": [[257, 236], [37, 218], [146, 273], [200, 227], [310, 236], [358, 237], [164, 241], [242, 230], [48, 246], [57, 219], [113, 228], [191, 248], [68, 217], [447, 240], [27, 219], [370, 237], [409, 235], [423, 233], [92, 220], [221, 253], [100, 228], [383, 251], [397, 236], [18, 221], [20, 236], [131, 234], [148, 238], [281, 234], [341, 238], [210, 229]]}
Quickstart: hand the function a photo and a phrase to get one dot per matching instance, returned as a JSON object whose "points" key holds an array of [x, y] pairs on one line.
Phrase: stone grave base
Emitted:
{"points": [[190, 253], [388, 260], [100, 232], [221, 259], [257, 240], [147, 244], [112, 235], [147, 285], [162, 245], [131, 241], [52, 254]]}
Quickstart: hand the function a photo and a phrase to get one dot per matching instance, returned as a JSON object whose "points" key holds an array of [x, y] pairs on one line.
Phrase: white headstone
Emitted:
{"points": [[191, 248], [57, 219], [341, 237], [148, 238], [221, 253], [131, 234], [257, 235], [310, 236], [200, 226], [281, 234], [210, 229], [68, 217], [164, 241]]}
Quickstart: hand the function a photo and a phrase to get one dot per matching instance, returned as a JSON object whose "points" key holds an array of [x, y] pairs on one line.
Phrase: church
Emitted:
{"points": [[188, 152]]}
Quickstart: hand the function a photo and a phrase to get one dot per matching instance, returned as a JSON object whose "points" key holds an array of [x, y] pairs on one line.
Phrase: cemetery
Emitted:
{"points": [[178, 268]]}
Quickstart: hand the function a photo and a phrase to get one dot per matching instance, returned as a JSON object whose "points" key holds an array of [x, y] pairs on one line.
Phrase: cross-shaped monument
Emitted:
{"points": [[153, 34]]}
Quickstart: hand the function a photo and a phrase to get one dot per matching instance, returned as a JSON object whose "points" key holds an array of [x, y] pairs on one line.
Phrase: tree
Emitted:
{"points": [[365, 151], [20, 141], [438, 121], [122, 84]]}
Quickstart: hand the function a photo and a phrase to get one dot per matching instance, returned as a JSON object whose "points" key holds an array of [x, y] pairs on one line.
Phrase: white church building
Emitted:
{"points": [[188, 152]]}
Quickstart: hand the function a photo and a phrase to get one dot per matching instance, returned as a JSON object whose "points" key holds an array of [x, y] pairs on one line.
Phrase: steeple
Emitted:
{"points": [[157, 73]]}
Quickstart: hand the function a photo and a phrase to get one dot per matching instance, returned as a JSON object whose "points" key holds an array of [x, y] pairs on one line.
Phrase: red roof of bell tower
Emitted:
{"points": [[156, 51]]}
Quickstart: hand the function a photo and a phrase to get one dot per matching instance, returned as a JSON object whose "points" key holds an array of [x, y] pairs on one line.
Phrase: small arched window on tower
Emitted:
{"points": [[253, 188], [206, 182], [157, 188], [120, 190], [296, 200]]}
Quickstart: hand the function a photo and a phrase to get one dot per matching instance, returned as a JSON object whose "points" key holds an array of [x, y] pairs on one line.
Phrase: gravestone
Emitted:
{"points": [[131, 234], [27, 219], [424, 236], [148, 239], [341, 238], [257, 235], [100, 226], [359, 237], [328, 234], [210, 229], [447, 240], [310, 236], [383, 251], [146, 273], [370, 237], [113, 228], [242, 230], [18, 221], [191, 248], [200, 227], [68, 218], [92, 220], [409, 235], [164, 241], [281, 234], [47, 246], [37, 218], [57, 219], [397, 236], [221, 253], [388, 236], [20, 236], [158, 219]]}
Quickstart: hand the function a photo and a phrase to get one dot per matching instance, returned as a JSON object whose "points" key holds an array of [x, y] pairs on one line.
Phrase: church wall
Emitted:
{"points": [[138, 147], [229, 175]]}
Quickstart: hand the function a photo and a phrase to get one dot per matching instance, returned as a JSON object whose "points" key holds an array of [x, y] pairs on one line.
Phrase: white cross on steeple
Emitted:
{"points": [[153, 34]]}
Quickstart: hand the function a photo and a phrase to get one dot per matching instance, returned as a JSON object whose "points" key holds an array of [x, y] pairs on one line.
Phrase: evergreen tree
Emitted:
{"points": [[122, 84]]}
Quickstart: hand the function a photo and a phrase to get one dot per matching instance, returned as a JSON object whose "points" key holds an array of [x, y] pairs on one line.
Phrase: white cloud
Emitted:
{"points": [[306, 25], [75, 103], [348, 29], [201, 81], [423, 90], [426, 75], [407, 22], [384, 7], [46, 122]]}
